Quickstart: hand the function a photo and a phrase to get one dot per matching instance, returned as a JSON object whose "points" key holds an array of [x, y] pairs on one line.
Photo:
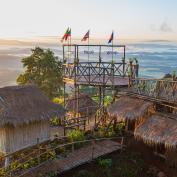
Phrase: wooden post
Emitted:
{"points": [[72, 147], [123, 61], [64, 126], [100, 54], [7, 165], [122, 143], [78, 99], [93, 143], [84, 125], [88, 116], [130, 72], [38, 146]]}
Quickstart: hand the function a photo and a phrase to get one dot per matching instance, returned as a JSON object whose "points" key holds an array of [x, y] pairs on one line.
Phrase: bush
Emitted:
{"points": [[55, 121], [50, 174], [104, 163], [120, 128], [58, 100], [127, 171], [85, 173], [101, 131], [110, 131], [75, 135]]}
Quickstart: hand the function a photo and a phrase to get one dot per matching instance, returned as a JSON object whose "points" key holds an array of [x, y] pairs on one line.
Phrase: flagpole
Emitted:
{"points": [[70, 43], [112, 45], [88, 45], [68, 50]]}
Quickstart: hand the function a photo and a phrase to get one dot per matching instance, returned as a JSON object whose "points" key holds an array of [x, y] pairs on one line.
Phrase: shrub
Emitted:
{"points": [[50, 174], [110, 131], [75, 135], [101, 131], [85, 173], [105, 163], [55, 121], [120, 128], [58, 100], [127, 171]]}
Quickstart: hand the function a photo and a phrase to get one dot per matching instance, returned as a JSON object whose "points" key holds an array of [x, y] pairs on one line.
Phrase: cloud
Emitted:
{"points": [[164, 27]]}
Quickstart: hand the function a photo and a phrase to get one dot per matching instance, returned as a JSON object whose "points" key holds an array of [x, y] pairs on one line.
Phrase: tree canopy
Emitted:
{"points": [[43, 68]]}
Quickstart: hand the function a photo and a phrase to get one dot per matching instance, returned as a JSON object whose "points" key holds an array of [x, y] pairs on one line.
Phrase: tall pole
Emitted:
{"points": [[88, 45], [112, 46], [68, 50], [70, 46]]}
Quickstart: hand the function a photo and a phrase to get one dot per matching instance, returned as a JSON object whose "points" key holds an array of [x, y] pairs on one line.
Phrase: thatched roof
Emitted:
{"points": [[86, 104], [24, 104], [129, 109], [158, 130]]}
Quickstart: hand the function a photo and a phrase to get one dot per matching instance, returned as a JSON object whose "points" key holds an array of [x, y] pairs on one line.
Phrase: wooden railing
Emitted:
{"points": [[93, 72], [156, 88], [18, 172]]}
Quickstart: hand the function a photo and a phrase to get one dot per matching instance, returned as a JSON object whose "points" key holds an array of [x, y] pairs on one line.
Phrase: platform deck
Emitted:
{"points": [[99, 80]]}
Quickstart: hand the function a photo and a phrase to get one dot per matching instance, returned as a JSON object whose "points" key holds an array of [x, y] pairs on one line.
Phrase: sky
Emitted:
{"points": [[130, 19]]}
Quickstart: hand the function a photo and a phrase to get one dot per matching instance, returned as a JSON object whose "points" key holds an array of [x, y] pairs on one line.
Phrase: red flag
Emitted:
{"points": [[86, 36]]}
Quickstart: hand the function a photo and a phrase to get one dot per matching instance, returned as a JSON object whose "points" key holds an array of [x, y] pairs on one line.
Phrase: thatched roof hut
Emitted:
{"points": [[130, 110], [158, 130], [86, 104], [24, 117]]}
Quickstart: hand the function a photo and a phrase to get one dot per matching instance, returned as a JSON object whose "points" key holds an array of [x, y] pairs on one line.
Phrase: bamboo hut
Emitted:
{"points": [[130, 110], [24, 117], [160, 130], [86, 106]]}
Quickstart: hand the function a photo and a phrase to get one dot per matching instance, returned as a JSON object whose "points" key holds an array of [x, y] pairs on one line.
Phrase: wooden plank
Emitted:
{"points": [[76, 158]]}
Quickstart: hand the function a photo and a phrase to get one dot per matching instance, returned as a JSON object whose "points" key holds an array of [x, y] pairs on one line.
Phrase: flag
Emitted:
{"points": [[66, 35], [86, 36], [111, 38]]}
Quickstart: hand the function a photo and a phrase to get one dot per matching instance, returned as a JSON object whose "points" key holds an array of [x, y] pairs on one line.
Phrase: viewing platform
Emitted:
{"points": [[96, 65], [97, 73]]}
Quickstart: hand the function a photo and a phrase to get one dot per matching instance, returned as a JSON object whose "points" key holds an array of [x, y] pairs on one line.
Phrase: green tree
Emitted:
{"points": [[43, 68]]}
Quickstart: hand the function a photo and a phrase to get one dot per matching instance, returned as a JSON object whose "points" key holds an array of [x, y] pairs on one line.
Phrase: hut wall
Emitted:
{"points": [[2, 140], [20, 137]]}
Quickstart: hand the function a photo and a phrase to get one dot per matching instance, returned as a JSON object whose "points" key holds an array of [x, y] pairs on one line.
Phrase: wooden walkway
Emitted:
{"points": [[76, 158]]}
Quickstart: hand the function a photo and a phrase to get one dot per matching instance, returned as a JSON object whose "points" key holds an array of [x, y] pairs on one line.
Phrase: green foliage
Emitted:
{"points": [[88, 89], [58, 100], [127, 171], [104, 163], [108, 100], [101, 131], [85, 173], [48, 155], [50, 174], [119, 128], [75, 135], [110, 132], [60, 150], [55, 121], [3, 172], [30, 163], [43, 69]]}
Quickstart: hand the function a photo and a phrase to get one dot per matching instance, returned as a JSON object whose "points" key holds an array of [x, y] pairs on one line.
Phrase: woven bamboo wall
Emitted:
{"points": [[13, 139]]}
